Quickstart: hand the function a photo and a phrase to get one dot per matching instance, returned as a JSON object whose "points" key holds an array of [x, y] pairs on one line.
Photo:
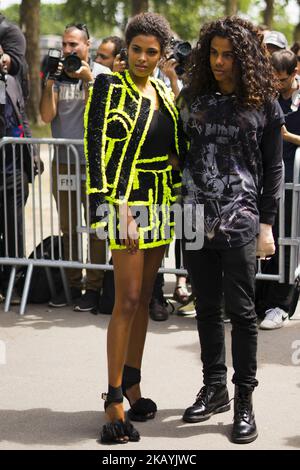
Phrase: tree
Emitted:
{"points": [[30, 25], [138, 6], [297, 28], [268, 13], [231, 7]]}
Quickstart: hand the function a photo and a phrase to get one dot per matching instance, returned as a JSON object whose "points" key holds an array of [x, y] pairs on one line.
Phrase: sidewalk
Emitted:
{"points": [[55, 371]]}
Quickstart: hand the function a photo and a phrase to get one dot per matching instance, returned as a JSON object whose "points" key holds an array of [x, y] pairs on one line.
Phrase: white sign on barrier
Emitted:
{"points": [[67, 182]]}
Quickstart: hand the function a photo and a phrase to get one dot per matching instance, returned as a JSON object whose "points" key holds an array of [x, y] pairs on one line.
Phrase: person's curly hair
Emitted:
{"points": [[149, 24], [255, 77]]}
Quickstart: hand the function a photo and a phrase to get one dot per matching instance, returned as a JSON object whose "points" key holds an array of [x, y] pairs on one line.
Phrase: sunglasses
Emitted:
{"points": [[81, 26]]}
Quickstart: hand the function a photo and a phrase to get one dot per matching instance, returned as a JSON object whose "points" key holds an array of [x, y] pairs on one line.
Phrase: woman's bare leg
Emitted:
{"points": [[128, 275], [152, 262]]}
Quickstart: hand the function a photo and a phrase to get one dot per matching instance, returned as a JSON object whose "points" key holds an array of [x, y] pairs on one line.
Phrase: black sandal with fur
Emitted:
{"points": [[117, 432], [144, 408]]}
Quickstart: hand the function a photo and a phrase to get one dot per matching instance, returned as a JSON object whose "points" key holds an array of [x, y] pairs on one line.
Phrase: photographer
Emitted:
{"points": [[62, 104], [108, 53], [14, 178], [13, 43], [172, 69]]}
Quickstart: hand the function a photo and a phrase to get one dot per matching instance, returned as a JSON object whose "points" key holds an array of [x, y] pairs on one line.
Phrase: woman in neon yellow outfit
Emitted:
{"points": [[131, 129]]}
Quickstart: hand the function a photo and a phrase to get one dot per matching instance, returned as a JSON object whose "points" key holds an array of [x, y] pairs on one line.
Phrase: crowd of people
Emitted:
{"points": [[213, 137]]}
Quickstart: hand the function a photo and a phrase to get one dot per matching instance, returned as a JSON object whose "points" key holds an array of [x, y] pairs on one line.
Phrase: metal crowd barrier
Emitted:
{"points": [[294, 239], [38, 215], [42, 219]]}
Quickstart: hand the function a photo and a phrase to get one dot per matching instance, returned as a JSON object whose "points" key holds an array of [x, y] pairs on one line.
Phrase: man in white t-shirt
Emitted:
{"points": [[62, 104]]}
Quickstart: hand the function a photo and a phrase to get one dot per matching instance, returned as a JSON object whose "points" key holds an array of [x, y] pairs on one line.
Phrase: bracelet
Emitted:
{"points": [[89, 84]]}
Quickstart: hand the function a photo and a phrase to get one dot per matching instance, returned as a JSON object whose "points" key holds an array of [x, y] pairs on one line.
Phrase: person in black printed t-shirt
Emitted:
{"points": [[233, 169]]}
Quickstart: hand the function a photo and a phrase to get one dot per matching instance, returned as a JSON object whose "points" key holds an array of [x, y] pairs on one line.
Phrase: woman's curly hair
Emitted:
{"points": [[255, 76], [149, 24]]}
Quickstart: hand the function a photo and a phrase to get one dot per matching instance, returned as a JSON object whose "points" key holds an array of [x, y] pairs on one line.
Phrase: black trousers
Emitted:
{"points": [[14, 235], [232, 272]]}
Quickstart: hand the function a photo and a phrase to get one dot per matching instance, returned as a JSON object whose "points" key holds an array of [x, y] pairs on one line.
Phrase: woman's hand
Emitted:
{"points": [[129, 234], [265, 241], [174, 161]]}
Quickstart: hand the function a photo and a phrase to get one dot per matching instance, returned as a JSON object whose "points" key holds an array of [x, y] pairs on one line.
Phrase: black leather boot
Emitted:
{"points": [[244, 426], [210, 400]]}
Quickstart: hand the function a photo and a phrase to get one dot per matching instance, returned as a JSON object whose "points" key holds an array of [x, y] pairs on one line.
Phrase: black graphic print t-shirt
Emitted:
{"points": [[234, 166]]}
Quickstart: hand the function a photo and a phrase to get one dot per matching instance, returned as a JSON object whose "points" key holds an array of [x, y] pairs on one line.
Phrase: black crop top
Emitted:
{"points": [[160, 137]]}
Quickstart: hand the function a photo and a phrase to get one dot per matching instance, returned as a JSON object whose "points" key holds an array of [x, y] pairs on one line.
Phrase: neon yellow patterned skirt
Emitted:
{"points": [[150, 202]]}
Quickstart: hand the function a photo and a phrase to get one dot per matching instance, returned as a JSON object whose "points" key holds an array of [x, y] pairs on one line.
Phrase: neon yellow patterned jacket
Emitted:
{"points": [[117, 119]]}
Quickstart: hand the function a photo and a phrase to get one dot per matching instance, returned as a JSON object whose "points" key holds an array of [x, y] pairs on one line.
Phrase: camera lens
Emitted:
{"points": [[72, 63], [183, 49]]}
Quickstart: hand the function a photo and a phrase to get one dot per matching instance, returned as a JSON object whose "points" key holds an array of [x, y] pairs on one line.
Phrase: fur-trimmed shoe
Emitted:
{"points": [[117, 432], [144, 408]]}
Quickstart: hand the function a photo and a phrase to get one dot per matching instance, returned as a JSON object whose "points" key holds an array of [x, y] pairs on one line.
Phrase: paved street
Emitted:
{"points": [[55, 371]]}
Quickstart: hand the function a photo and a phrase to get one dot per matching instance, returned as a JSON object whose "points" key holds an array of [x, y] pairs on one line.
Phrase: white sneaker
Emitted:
{"points": [[275, 318]]}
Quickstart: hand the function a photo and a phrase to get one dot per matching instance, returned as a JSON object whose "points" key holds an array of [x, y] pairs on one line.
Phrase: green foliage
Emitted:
{"points": [[12, 13], [98, 13], [187, 16], [281, 21], [105, 17], [53, 19]]}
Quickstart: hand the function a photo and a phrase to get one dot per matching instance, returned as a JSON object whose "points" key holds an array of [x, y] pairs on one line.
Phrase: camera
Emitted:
{"points": [[53, 59], [71, 63], [181, 51], [123, 54]]}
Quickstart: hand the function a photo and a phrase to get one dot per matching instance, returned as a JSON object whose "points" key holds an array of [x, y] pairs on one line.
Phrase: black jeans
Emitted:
{"points": [[14, 205], [231, 271]]}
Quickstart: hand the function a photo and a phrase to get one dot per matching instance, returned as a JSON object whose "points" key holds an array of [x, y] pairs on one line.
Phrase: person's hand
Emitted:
{"points": [[129, 234], [84, 73], [167, 66], [119, 65], [50, 78], [5, 61], [265, 241], [174, 161]]}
